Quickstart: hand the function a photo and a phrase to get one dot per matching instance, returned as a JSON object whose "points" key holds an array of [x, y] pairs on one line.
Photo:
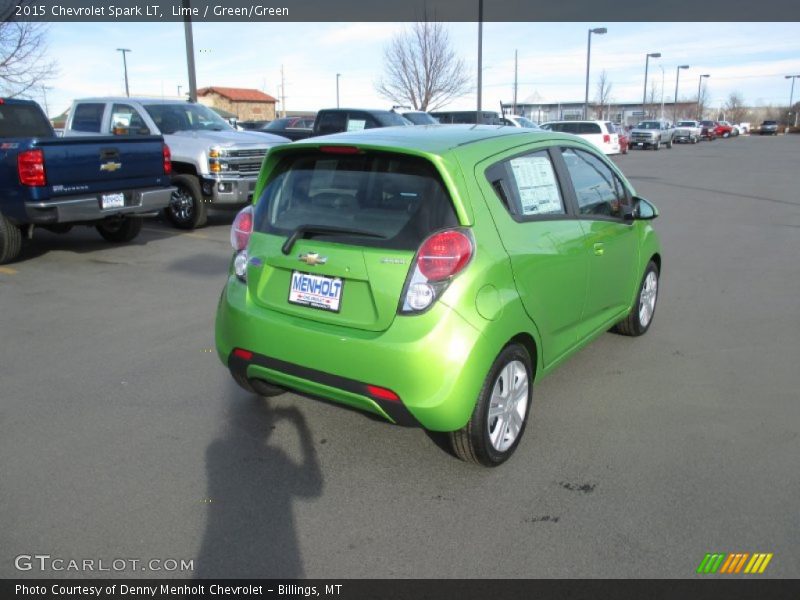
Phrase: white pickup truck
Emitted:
{"points": [[652, 134], [689, 132], [212, 163]]}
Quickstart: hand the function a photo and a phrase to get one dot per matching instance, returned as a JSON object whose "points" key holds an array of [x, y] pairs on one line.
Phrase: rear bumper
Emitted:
{"points": [[88, 208], [435, 362]]}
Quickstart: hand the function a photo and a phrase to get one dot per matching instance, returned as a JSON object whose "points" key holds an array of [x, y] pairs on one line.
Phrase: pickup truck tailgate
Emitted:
{"points": [[102, 164]]}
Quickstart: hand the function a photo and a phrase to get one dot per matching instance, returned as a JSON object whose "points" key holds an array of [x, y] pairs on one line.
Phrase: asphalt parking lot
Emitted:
{"points": [[122, 436]]}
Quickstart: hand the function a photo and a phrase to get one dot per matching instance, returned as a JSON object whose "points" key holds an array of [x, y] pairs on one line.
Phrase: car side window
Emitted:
{"points": [[589, 128], [332, 122], [88, 117], [126, 120], [527, 186], [597, 188]]}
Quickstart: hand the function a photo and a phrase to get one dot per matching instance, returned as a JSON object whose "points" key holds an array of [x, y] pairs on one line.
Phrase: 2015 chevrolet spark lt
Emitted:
{"points": [[431, 274]]}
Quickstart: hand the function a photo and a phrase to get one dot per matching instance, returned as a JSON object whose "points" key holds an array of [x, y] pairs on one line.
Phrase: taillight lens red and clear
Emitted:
{"points": [[242, 228], [167, 155], [441, 257], [444, 254], [606, 138], [30, 167]]}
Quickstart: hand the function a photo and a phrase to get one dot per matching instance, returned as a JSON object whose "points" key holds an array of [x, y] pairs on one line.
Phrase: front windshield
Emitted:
{"points": [[648, 125], [420, 118], [186, 117], [523, 122]]}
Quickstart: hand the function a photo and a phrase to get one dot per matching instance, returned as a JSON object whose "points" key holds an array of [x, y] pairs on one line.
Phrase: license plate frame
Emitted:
{"points": [[109, 201], [313, 299]]}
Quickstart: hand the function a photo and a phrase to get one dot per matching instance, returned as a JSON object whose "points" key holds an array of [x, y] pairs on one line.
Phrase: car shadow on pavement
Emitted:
{"points": [[204, 265], [250, 529]]}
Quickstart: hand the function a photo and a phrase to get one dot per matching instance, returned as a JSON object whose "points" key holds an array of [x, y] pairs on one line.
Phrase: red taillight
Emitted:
{"points": [[382, 393], [243, 354], [167, 159], [339, 149], [606, 138], [30, 167], [242, 228], [444, 254]]}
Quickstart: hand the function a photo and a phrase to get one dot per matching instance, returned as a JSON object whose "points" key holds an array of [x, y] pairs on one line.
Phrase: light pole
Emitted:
{"points": [[125, 66], [598, 31], [675, 104], [337, 89], [699, 85], [791, 97], [646, 65], [478, 119], [179, 90], [662, 92]]}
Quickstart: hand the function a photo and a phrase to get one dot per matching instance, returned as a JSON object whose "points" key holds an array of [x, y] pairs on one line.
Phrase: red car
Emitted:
{"points": [[708, 130], [723, 129], [624, 138]]}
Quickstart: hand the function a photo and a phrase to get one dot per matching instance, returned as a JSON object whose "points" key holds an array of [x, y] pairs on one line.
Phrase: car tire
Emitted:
{"points": [[10, 241], [641, 316], [121, 230], [488, 438], [187, 208], [726, 135], [669, 144], [657, 145]]}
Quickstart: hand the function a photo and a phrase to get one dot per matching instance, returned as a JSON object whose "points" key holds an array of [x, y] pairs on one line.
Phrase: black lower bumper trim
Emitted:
{"points": [[395, 409]]}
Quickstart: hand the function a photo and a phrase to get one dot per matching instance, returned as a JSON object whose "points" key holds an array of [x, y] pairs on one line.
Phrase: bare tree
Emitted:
{"points": [[653, 100], [23, 55], [735, 110], [603, 92], [421, 68]]}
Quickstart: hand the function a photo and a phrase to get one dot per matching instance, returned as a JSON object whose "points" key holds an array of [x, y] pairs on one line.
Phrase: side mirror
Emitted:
{"points": [[641, 210]]}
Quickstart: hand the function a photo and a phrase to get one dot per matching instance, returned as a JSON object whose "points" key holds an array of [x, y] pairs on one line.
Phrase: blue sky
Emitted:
{"points": [[750, 58]]}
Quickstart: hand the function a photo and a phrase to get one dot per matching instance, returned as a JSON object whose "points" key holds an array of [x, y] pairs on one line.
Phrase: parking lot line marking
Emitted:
{"points": [[200, 236], [8, 271]]}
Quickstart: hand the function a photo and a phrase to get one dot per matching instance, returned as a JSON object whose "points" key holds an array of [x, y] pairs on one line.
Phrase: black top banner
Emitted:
{"points": [[405, 11]]}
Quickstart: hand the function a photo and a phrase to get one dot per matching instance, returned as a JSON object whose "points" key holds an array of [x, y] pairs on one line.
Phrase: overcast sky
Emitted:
{"points": [[749, 58]]}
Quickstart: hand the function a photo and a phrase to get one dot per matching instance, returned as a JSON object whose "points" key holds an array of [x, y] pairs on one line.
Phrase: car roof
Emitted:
{"points": [[140, 100], [434, 139]]}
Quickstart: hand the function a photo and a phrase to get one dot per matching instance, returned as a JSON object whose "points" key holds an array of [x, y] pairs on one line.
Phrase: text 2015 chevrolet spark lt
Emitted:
{"points": [[429, 275]]}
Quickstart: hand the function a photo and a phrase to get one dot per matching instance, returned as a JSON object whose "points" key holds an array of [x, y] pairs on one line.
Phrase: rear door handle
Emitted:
{"points": [[599, 249]]}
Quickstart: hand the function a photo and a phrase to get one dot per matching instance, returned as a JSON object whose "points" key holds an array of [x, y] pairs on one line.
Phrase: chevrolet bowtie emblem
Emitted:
{"points": [[110, 166], [312, 258]]}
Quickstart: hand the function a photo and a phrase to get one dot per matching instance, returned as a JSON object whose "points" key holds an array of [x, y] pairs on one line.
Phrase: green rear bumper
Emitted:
{"points": [[435, 362]]}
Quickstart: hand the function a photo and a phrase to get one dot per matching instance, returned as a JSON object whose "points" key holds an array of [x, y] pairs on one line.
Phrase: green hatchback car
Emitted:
{"points": [[431, 274]]}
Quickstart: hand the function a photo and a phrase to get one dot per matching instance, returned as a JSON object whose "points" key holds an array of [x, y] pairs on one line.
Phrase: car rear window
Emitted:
{"points": [[398, 199], [19, 120]]}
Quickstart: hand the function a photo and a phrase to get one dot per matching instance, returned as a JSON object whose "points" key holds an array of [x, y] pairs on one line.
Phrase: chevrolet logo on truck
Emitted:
{"points": [[110, 166]]}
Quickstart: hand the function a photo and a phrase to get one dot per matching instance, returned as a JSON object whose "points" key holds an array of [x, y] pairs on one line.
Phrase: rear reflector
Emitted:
{"points": [[339, 149], [30, 168], [243, 354], [382, 393]]}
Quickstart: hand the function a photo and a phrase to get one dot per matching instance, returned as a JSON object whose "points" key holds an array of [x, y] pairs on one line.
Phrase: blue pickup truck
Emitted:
{"points": [[106, 182]]}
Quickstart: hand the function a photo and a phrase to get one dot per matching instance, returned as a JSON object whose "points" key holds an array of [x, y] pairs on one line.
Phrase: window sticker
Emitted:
{"points": [[537, 186]]}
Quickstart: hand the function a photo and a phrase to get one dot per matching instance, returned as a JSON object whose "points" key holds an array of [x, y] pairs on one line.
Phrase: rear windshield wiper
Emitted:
{"points": [[307, 231]]}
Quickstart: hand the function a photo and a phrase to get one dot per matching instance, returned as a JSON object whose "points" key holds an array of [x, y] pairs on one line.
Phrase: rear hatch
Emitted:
{"points": [[79, 165], [335, 233]]}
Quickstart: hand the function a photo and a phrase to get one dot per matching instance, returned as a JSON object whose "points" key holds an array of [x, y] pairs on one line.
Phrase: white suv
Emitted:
{"points": [[602, 134]]}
